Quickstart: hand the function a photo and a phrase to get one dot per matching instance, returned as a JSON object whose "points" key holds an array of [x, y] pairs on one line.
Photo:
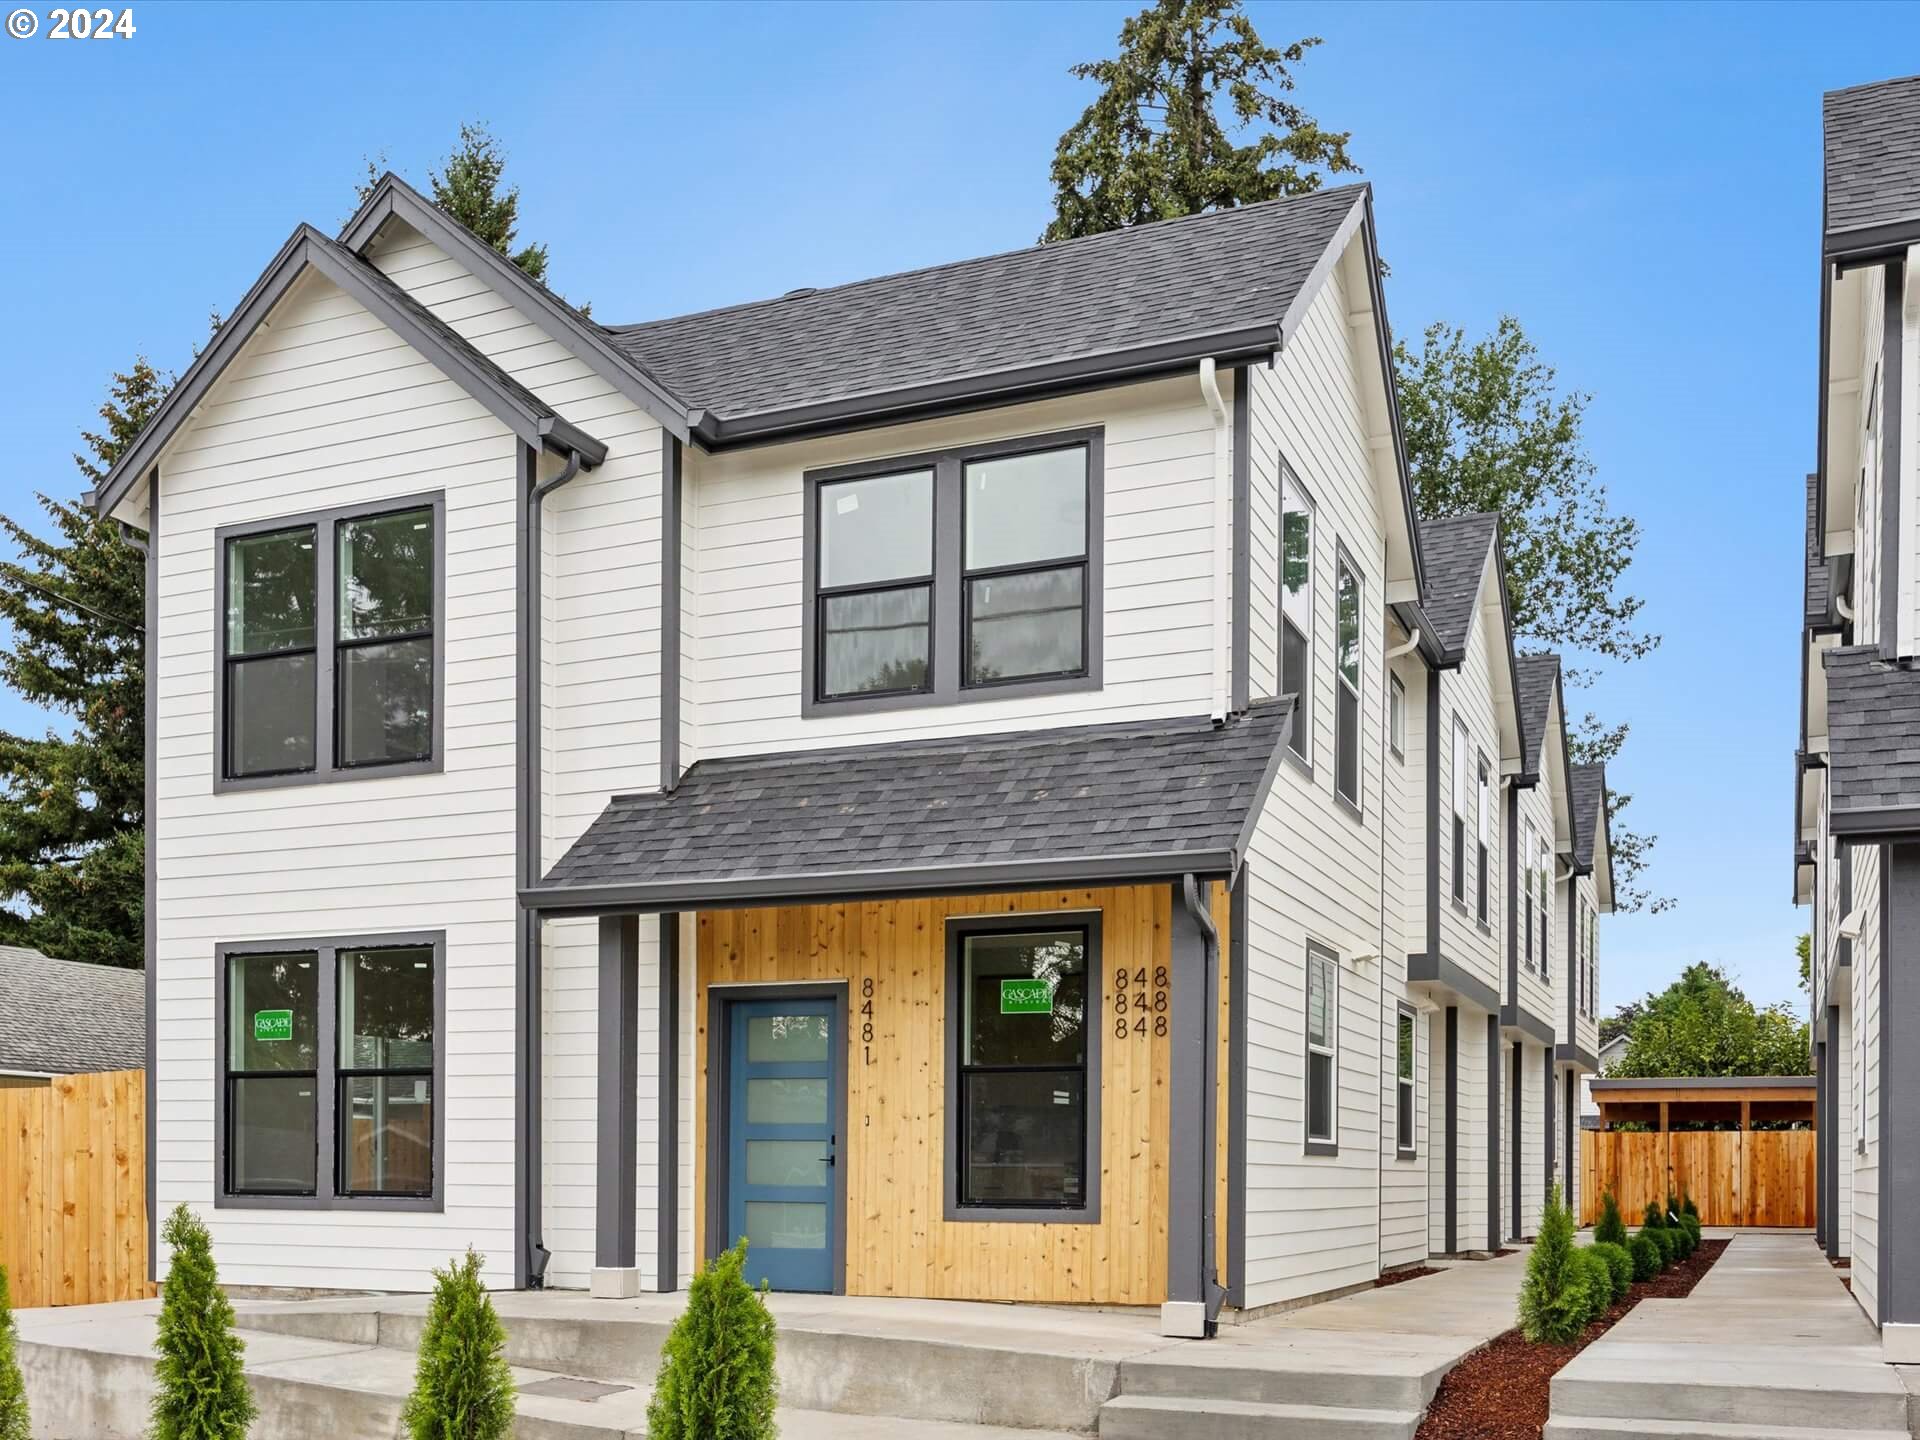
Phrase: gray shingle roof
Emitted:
{"points": [[1873, 734], [1201, 275], [1083, 803], [1872, 156], [1819, 587], [62, 1017], [1589, 796], [1455, 551], [1539, 678]]}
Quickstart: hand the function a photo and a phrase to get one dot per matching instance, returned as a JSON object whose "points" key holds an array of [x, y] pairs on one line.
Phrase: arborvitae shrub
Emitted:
{"points": [[1687, 1207], [14, 1423], [203, 1392], [462, 1388], [1595, 1280], [1648, 1260], [1553, 1297], [1611, 1230], [716, 1378], [1691, 1224], [1669, 1241], [1654, 1217], [1619, 1266]]}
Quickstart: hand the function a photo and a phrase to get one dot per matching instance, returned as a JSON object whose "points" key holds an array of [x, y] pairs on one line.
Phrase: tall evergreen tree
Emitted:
{"points": [[467, 186], [1155, 142], [73, 805]]}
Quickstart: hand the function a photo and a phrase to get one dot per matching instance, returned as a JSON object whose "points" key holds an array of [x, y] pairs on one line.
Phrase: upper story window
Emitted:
{"points": [[1397, 716], [1527, 851], [329, 645], [1459, 811], [1346, 682], [1403, 1124], [1543, 879], [1483, 793], [942, 577], [1296, 608], [1322, 1049]]}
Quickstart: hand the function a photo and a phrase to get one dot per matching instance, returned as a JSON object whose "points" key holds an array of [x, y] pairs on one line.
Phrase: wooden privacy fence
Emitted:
{"points": [[1736, 1177], [73, 1189]]}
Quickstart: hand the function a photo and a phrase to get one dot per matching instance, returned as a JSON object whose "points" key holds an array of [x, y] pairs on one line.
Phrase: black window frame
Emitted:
{"points": [[344, 1075], [959, 929], [1407, 1141], [1348, 707], [1529, 848], [822, 594], [1457, 800], [1329, 958], [948, 584], [327, 1193], [1396, 715], [1484, 812], [328, 672], [1300, 735]]}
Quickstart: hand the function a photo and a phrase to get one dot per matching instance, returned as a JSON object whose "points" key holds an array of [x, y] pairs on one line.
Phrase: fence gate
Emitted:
{"points": [[1736, 1177]]}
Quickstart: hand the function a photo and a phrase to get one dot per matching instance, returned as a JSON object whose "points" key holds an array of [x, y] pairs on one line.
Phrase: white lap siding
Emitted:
{"points": [[1404, 1201], [328, 408]]}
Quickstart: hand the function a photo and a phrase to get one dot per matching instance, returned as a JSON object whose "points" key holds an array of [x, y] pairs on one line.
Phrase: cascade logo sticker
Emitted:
{"points": [[1026, 997], [273, 1024]]}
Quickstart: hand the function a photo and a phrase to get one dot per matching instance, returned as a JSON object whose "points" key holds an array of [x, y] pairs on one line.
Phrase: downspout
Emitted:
{"points": [[1412, 644], [1212, 1292], [1222, 516]]}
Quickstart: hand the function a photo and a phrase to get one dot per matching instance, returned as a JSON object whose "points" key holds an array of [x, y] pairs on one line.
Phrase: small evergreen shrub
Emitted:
{"points": [[1687, 1207], [716, 1378], [1669, 1242], [1619, 1266], [1647, 1259], [14, 1423], [1611, 1229], [462, 1388], [202, 1393], [1691, 1224], [1596, 1283], [1654, 1218]]}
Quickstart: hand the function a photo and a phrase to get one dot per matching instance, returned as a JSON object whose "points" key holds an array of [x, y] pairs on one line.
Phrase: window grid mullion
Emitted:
{"points": [[327, 610]]}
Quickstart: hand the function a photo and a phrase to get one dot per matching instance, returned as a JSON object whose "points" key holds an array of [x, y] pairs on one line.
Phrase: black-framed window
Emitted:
{"points": [[1544, 878], [1024, 1042], [1323, 1047], [1404, 1134], [1459, 773], [1296, 608], [331, 1056], [1527, 892], [1483, 838], [963, 574], [1397, 716], [1346, 680], [329, 646]]}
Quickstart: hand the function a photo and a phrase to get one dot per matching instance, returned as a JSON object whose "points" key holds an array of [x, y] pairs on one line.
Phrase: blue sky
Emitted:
{"points": [[1639, 185]]}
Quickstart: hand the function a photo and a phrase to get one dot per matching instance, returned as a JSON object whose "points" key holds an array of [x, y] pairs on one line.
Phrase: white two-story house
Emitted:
{"points": [[939, 776], [1857, 779]]}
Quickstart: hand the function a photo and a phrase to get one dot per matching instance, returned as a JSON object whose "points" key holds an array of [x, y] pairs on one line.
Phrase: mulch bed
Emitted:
{"points": [[1500, 1391], [1487, 1255], [1412, 1272]]}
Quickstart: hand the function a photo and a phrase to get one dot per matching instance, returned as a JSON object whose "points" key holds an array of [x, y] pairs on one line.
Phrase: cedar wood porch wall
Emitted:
{"points": [[898, 1241]]}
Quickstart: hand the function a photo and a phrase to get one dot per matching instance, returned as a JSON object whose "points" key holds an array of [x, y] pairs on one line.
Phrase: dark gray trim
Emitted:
{"points": [[392, 196], [755, 890], [1843, 952], [528, 1259], [1510, 1007], [667, 1118], [1547, 1107], [1528, 1023], [1237, 992], [1343, 559], [1493, 1132], [516, 408], [326, 951], [958, 928], [947, 610], [1877, 822], [1830, 1125], [1383, 342], [1894, 546], [1899, 1155], [1572, 908], [1193, 959], [1396, 686], [670, 637], [1702, 1082], [1453, 1130], [1869, 244], [616, 1092], [1432, 946], [719, 1040], [1426, 968], [1570, 1191], [326, 769], [1331, 1145], [1514, 1138], [150, 919], [1576, 1055], [1402, 1010], [1301, 759], [1242, 670], [1822, 1139]]}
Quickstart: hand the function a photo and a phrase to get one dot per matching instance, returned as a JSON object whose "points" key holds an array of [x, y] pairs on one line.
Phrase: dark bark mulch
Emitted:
{"points": [[1487, 1255], [1412, 1272], [1500, 1391]]}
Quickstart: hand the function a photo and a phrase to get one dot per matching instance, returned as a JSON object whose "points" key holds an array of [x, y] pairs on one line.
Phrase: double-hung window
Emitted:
{"points": [[1397, 716], [329, 663], [1528, 890], [1459, 811], [956, 575], [1403, 1113], [1323, 1001], [1483, 799], [330, 1066], [1543, 879], [1346, 681], [1296, 608]]}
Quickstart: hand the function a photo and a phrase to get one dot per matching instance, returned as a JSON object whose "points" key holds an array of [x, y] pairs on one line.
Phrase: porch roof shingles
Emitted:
{"points": [[1455, 550], [1873, 734], [1074, 803], [1872, 157]]}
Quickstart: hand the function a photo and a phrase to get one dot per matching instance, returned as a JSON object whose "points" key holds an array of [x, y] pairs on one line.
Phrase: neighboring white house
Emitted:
{"points": [[1610, 1054], [1857, 790], [975, 779]]}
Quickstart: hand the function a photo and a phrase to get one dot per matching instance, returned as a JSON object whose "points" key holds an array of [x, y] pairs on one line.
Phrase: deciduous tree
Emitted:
{"points": [[1703, 1024]]}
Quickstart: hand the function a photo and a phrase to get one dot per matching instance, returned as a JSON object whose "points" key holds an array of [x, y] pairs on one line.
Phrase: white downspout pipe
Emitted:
{"points": [[1222, 540], [1413, 641]]}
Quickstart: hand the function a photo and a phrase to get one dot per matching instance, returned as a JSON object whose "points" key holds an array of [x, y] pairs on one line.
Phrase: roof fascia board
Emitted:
{"points": [[1413, 618], [758, 890], [1506, 630], [1881, 822], [1870, 244], [1383, 331], [1336, 247], [393, 197], [1265, 789]]}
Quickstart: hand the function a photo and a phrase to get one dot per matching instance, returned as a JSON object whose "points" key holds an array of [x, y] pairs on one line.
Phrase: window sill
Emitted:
{"points": [[1011, 1215], [1299, 762], [816, 709], [1351, 808], [1406, 1157], [1323, 1147], [419, 1204], [225, 783]]}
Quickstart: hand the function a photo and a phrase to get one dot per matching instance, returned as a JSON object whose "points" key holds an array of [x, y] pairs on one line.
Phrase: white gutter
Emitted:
{"points": [[1222, 541]]}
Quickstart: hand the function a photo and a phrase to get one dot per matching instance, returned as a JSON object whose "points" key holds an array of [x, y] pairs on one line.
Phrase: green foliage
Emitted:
{"points": [[73, 802], [462, 1388], [1654, 1218], [1595, 1281], [1803, 947], [14, 1421], [1687, 1207], [1690, 1224], [1647, 1258], [1703, 1024], [1488, 428], [1154, 143], [1554, 1301], [1619, 1266], [1611, 1229], [716, 1378], [202, 1392], [1670, 1242]]}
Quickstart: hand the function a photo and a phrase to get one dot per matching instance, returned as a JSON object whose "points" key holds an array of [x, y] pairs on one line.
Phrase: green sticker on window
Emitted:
{"points": [[1026, 997], [273, 1024]]}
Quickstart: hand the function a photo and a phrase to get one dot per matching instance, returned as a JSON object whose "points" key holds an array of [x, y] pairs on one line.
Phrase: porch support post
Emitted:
{"points": [[1898, 1131], [1820, 1211], [1193, 1294], [1546, 1107], [1493, 1132], [1830, 1124], [616, 1270], [1453, 1130], [667, 1135], [1516, 1109]]}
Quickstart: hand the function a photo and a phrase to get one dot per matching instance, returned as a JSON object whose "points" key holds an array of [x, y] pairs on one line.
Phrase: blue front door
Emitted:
{"points": [[782, 1148]]}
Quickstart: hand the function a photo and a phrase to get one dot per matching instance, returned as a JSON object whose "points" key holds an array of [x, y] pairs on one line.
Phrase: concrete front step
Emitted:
{"points": [[1373, 1379], [1157, 1417], [1595, 1428], [1812, 1388]]}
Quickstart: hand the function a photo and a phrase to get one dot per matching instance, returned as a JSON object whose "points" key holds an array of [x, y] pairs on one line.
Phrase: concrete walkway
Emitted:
{"points": [[1769, 1346]]}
